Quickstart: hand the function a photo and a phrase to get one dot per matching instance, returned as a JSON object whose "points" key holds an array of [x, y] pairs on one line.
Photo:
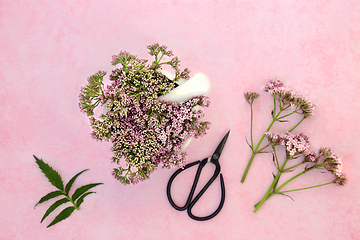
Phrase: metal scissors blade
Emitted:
{"points": [[220, 147]]}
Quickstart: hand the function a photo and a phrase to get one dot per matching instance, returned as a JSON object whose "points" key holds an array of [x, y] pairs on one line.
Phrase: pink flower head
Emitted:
{"points": [[310, 157], [333, 164], [145, 132], [288, 97], [251, 96], [273, 84], [295, 144]]}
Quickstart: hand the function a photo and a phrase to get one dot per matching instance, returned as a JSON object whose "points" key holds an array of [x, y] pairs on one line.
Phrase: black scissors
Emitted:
{"points": [[190, 203]]}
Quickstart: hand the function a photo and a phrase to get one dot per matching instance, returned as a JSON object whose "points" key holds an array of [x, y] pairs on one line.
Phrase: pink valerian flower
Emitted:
{"points": [[288, 97], [310, 157], [295, 144], [145, 132], [251, 96], [333, 164], [273, 84]]}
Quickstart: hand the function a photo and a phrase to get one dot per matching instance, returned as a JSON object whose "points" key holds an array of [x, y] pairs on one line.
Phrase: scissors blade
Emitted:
{"points": [[220, 147]]}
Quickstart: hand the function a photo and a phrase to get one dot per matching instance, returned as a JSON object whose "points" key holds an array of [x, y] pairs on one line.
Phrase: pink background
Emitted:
{"points": [[49, 48]]}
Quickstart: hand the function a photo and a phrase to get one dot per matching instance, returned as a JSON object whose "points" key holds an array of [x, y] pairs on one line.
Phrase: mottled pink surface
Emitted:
{"points": [[49, 48]]}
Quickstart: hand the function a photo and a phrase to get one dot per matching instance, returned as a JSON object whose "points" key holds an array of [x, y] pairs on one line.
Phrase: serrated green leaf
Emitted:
{"points": [[83, 189], [72, 180], [62, 215], [52, 175], [54, 206], [81, 199], [49, 196]]}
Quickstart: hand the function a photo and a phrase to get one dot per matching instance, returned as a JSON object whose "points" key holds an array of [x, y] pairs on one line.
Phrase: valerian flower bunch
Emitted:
{"points": [[144, 130], [285, 100], [296, 145]]}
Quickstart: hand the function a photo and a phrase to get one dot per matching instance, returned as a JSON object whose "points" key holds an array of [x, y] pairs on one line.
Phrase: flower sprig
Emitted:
{"points": [[145, 131], [297, 145], [284, 100], [287, 103], [77, 198]]}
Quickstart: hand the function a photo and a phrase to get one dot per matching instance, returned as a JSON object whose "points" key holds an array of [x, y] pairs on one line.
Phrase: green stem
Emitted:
{"points": [[255, 151], [259, 151], [269, 196], [68, 197], [297, 124], [274, 111], [276, 158], [128, 170], [251, 128], [96, 103], [162, 55], [286, 115], [288, 106], [285, 170], [294, 177], [157, 61], [271, 188], [299, 189]]}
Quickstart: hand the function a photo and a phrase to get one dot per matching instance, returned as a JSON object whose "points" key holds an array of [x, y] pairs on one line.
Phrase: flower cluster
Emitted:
{"points": [[88, 94], [251, 96], [284, 100], [288, 97], [145, 132], [332, 163], [298, 144], [295, 144]]}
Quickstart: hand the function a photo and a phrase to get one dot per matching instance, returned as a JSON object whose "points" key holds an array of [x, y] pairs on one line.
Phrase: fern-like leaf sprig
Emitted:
{"points": [[76, 199]]}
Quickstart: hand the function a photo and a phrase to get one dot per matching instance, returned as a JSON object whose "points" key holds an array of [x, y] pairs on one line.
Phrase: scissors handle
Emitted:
{"points": [[200, 194], [190, 204]]}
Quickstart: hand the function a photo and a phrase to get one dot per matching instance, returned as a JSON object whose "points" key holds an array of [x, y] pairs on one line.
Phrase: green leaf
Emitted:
{"points": [[81, 199], [83, 189], [52, 175], [72, 180], [286, 196], [49, 196], [54, 206], [248, 144], [63, 215]]}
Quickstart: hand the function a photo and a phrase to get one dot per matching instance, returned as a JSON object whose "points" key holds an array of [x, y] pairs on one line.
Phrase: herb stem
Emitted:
{"points": [[255, 151], [299, 189], [286, 115], [276, 158], [259, 151], [289, 168], [68, 197], [275, 118], [294, 177], [297, 124], [271, 188], [251, 127]]}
